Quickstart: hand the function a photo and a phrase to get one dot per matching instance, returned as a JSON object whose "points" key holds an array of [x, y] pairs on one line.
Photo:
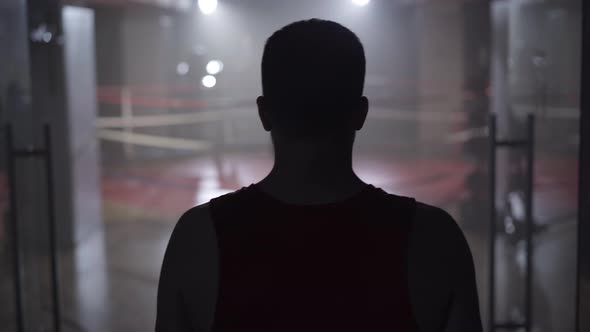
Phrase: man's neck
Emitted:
{"points": [[320, 175], [318, 179]]}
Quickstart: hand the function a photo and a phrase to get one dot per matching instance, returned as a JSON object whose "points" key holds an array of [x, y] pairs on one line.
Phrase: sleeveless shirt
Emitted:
{"points": [[339, 266]]}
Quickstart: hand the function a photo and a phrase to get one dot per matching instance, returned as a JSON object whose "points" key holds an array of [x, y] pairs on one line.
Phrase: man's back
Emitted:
{"points": [[248, 261], [350, 257]]}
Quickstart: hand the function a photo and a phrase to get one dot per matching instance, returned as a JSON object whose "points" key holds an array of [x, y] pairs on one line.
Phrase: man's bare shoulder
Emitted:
{"points": [[437, 240], [195, 256], [195, 213], [436, 243], [435, 227], [436, 248], [439, 248], [195, 228]]}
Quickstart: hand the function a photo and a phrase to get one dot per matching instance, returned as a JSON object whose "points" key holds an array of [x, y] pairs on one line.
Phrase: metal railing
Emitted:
{"points": [[527, 144], [45, 153]]}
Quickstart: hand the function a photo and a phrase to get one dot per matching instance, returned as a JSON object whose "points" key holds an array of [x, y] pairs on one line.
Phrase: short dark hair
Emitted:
{"points": [[312, 69]]}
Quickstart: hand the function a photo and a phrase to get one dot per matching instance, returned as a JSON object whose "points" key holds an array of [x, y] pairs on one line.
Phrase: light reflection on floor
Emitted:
{"points": [[181, 184]]}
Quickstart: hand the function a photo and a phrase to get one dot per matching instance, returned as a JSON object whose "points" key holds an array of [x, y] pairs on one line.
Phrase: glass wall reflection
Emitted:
{"points": [[177, 125], [435, 70]]}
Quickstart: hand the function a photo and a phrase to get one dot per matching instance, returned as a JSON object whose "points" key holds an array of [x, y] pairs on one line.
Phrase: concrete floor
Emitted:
{"points": [[109, 283]]}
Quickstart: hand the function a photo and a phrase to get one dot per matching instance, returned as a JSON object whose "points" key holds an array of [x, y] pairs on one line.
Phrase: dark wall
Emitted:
{"points": [[108, 46]]}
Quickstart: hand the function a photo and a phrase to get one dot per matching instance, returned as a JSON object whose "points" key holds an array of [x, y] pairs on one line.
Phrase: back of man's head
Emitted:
{"points": [[313, 73]]}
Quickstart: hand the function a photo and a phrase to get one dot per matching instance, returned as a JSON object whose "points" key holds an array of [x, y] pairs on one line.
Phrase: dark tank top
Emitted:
{"points": [[339, 266]]}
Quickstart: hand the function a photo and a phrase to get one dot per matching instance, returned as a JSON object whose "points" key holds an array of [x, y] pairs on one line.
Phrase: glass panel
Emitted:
{"points": [[15, 98], [177, 126], [544, 78], [537, 70]]}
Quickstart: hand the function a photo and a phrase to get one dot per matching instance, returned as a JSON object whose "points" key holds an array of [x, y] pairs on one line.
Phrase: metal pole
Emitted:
{"points": [[52, 231], [492, 234], [16, 253], [127, 117], [529, 220], [583, 230]]}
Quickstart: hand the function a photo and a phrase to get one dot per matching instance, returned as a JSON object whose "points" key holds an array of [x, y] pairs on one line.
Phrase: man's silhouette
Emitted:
{"points": [[312, 247]]}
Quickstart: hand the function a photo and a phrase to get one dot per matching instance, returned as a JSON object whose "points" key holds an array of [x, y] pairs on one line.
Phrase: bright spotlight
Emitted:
{"points": [[214, 67], [209, 81], [207, 7], [361, 2], [182, 68]]}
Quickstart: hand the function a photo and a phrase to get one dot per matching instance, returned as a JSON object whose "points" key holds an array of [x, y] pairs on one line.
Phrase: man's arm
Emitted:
{"points": [[442, 277], [171, 315], [464, 314]]}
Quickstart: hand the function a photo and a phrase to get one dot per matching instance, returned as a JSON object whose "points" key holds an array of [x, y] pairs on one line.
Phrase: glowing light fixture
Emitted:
{"points": [[209, 81], [182, 68], [207, 7], [361, 2], [214, 67]]}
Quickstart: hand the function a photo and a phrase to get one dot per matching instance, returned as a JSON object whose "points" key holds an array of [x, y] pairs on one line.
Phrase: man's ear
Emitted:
{"points": [[361, 115], [263, 112]]}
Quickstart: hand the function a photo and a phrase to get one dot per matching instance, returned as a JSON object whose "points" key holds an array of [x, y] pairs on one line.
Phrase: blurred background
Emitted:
{"points": [[119, 115]]}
